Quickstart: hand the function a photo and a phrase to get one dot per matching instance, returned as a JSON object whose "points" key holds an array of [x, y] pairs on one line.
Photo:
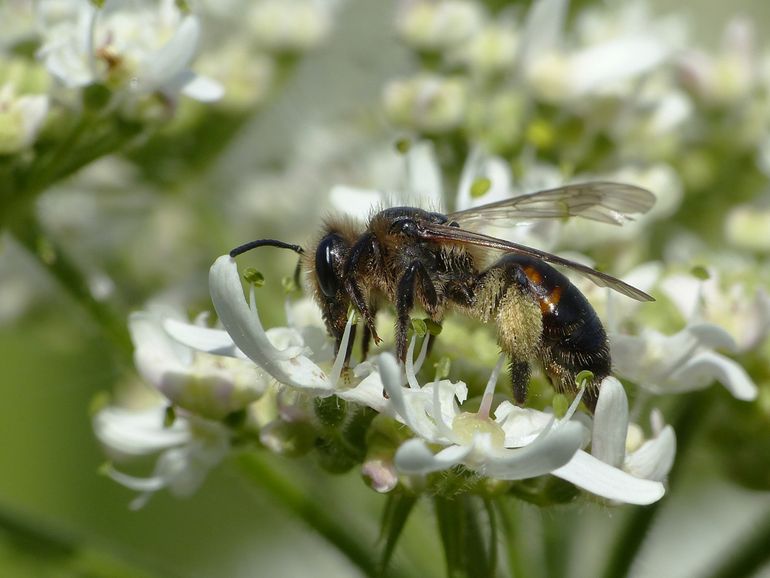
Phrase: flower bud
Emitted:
{"points": [[437, 26], [380, 474], [290, 439]]}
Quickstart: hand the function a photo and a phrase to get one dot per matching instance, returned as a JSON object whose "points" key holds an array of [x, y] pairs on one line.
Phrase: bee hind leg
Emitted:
{"points": [[520, 374]]}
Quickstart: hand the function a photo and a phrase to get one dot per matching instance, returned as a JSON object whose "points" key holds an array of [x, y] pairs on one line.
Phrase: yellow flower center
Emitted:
{"points": [[466, 425]]}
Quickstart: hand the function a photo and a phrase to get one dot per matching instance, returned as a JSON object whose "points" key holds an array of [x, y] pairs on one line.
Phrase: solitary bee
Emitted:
{"points": [[409, 256]]}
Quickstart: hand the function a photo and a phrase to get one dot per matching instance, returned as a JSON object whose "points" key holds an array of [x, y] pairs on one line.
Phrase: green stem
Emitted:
{"points": [[51, 551], [53, 258], [282, 489], [692, 413], [511, 521], [557, 527]]}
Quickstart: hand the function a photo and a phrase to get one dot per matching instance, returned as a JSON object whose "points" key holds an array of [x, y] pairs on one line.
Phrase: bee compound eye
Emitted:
{"points": [[327, 259], [405, 227]]}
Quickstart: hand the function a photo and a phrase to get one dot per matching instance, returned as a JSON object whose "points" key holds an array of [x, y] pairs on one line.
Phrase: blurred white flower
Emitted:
{"points": [[21, 117], [493, 50], [290, 26], [208, 385], [17, 22], [601, 63], [682, 362], [747, 226], [437, 26], [427, 103], [621, 466], [189, 448], [728, 77], [139, 48], [740, 310], [516, 444]]}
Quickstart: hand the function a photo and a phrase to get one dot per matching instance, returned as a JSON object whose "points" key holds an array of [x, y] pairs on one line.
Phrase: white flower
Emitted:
{"points": [[208, 385], [283, 355], [188, 448], [436, 26], [21, 118], [626, 50], [620, 466], [290, 25], [427, 102], [140, 48], [682, 362], [516, 444], [742, 312]]}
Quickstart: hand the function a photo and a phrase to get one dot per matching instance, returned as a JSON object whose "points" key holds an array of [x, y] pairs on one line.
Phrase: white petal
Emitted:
{"points": [[173, 58], [414, 457], [203, 88], [138, 433], [596, 67], [705, 367], [521, 425], [242, 323], [216, 341], [653, 460], [608, 440], [369, 393], [545, 454], [411, 411], [593, 475]]}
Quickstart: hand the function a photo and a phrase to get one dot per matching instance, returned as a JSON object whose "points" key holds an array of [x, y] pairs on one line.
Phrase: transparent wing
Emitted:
{"points": [[599, 201], [454, 234]]}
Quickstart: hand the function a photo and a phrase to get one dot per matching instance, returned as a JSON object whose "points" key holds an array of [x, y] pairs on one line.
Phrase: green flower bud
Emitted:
{"points": [[330, 411], [285, 438]]}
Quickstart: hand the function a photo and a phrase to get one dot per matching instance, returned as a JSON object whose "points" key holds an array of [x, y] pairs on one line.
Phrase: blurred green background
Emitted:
{"points": [[54, 361]]}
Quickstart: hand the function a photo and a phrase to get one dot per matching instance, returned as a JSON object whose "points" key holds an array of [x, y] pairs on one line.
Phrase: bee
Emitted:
{"points": [[410, 257]]}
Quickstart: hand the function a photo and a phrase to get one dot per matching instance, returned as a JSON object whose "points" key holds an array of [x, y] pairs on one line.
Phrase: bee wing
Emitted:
{"points": [[599, 200], [444, 233]]}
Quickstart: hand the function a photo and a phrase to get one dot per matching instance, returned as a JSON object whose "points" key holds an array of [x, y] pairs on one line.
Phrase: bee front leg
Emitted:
{"points": [[405, 302]]}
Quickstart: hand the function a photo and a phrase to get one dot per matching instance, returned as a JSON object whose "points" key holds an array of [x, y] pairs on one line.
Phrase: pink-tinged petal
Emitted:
{"points": [[706, 367], [241, 321], [414, 457], [593, 475], [653, 460], [608, 440], [548, 452]]}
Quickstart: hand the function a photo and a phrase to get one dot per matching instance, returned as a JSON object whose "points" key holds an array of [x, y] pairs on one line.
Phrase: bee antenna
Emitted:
{"points": [[265, 243]]}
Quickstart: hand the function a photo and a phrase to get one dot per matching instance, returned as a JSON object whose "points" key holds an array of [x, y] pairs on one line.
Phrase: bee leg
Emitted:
{"points": [[360, 255], [367, 337], [405, 302], [520, 374]]}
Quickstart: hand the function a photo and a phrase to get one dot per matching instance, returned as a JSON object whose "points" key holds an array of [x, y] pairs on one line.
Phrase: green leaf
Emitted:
{"points": [[397, 511]]}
